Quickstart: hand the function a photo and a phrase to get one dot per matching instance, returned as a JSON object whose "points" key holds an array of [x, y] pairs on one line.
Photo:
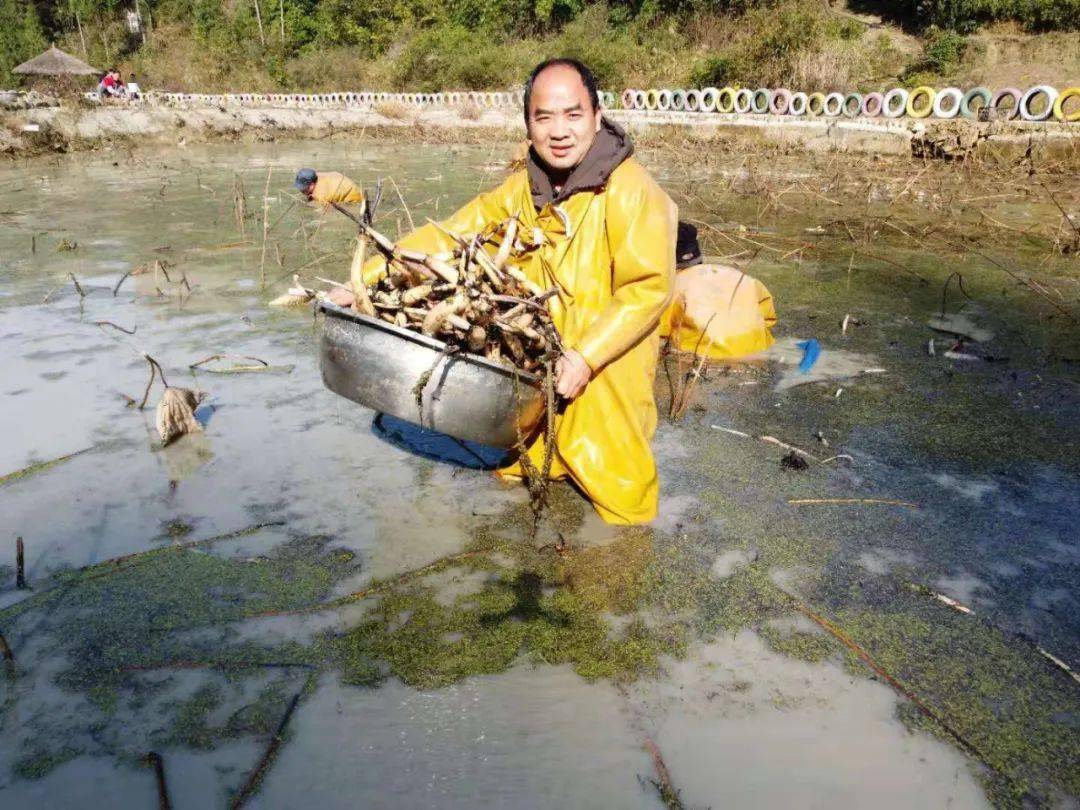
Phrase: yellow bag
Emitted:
{"points": [[719, 312]]}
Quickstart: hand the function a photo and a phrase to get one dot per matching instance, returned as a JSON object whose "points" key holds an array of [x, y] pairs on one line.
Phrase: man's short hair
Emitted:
{"points": [[587, 78]]}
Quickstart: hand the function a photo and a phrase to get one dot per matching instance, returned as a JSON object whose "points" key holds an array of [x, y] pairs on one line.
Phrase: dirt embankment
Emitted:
{"points": [[24, 133]]}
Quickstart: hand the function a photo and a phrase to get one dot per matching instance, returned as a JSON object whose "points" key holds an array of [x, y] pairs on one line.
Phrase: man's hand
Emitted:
{"points": [[340, 296], [572, 374]]}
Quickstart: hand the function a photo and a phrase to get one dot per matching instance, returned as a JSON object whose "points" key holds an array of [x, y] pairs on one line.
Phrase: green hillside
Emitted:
{"points": [[427, 45]]}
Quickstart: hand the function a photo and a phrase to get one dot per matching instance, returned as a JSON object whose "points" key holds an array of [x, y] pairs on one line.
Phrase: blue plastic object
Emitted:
{"points": [[811, 352]]}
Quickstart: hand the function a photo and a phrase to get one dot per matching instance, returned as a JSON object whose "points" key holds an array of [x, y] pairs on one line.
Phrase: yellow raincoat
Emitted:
{"points": [[719, 312], [610, 253], [335, 187]]}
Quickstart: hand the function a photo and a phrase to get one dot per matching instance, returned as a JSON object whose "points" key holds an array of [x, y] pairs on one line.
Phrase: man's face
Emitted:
{"points": [[308, 190], [562, 121]]}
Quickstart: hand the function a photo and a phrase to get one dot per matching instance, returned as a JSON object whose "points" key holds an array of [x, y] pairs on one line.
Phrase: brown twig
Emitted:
{"points": [[263, 765], [78, 286], [157, 763], [886, 502], [155, 368], [664, 786], [123, 278], [116, 327], [20, 565]]}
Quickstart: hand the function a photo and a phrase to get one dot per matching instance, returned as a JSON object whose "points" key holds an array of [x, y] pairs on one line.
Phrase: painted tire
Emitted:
{"points": [[759, 102], [1059, 105], [1032, 94], [948, 102], [641, 99], [815, 104], [725, 100], [871, 105], [967, 110], [834, 105], [710, 99], [799, 102], [627, 99], [913, 108], [894, 104], [780, 102], [663, 100], [652, 100], [744, 101], [678, 100], [610, 100], [853, 104], [693, 100]]}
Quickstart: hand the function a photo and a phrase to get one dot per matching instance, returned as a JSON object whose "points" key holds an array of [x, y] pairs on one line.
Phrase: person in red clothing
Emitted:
{"points": [[111, 84]]}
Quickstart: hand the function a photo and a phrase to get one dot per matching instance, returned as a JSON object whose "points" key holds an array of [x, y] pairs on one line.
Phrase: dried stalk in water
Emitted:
{"points": [[176, 414]]}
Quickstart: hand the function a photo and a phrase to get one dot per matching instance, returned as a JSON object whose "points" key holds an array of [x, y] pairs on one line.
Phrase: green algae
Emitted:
{"points": [[812, 647], [552, 615], [39, 762]]}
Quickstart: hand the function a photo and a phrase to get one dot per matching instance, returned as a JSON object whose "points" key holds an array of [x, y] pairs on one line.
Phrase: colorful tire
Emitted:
{"points": [[894, 104], [710, 97], [948, 102], [871, 105], [834, 105], [759, 102], [913, 108], [652, 99], [744, 101], [641, 100], [1032, 94], [780, 102], [1004, 93], [725, 100], [693, 100], [627, 99], [1059, 105], [663, 100], [678, 100], [852, 105], [815, 104], [798, 103], [967, 110]]}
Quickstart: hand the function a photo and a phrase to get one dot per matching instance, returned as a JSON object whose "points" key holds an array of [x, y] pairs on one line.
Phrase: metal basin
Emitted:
{"points": [[377, 364]]}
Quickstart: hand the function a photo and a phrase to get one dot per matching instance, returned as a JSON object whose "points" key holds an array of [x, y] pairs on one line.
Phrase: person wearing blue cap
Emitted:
{"points": [[327, 187]]}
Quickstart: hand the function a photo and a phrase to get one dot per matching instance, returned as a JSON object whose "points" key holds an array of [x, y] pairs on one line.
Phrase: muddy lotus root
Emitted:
{"points": [[473, 296]]}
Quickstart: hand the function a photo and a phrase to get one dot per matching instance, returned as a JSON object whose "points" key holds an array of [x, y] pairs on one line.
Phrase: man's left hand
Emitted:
{"points": [[572, 374]]}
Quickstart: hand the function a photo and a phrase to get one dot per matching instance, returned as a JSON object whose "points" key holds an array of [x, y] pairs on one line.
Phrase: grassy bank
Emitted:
{"points": [[315, 45]]}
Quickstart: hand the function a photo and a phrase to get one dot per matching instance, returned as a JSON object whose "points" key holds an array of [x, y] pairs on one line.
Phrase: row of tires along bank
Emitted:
{"points": [[1038, 103]]}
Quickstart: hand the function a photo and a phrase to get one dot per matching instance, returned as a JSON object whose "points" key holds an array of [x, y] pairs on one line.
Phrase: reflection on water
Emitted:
{"points": [[463, 686]]}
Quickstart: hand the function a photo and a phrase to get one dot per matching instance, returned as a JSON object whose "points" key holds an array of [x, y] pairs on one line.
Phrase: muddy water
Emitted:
{"points": [[523, 681]]}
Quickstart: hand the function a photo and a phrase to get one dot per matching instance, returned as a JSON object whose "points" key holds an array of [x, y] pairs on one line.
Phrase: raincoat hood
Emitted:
{"points": [[611, 147]]}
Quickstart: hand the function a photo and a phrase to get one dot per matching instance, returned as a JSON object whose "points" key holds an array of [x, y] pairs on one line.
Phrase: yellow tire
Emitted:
{"points": [[725, 101], [815, 104], [1059, 105], [912, 105]]}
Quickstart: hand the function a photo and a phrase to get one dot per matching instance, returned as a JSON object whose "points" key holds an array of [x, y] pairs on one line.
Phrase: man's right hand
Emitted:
{"points": [[340, 296]]}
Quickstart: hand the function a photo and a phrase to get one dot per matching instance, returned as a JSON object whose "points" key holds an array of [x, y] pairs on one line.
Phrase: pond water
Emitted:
{"points": [[504, 675]]}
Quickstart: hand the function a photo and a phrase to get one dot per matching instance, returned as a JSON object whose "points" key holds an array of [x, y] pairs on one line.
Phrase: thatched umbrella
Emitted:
{"points": [[54, 62]]}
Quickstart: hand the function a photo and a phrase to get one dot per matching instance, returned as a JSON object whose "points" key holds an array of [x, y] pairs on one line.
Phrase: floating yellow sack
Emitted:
{"points": [[719, 312]]}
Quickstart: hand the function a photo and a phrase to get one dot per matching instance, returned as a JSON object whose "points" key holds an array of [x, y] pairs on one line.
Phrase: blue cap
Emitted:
{"points": [[304, 178]]}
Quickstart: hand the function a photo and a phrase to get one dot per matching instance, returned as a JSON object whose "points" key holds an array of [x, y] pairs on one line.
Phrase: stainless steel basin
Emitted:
{"points": [[378, 365]]}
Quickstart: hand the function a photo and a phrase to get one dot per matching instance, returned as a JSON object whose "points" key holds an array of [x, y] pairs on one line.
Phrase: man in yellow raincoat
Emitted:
{"points": [[327, 187], [609, 251]]}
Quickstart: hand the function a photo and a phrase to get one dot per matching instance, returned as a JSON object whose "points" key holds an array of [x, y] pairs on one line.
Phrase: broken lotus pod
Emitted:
{"points": [[176, 414]]}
